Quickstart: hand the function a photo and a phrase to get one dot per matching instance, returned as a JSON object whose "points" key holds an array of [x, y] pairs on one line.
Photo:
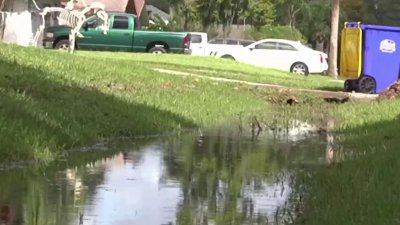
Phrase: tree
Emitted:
{"points": [[310, 17], [355, 10], [208, 13], [184, 12], [315, 22], [384, 12], [291, 9], [227, 11], [261, 12], [333, 46]]}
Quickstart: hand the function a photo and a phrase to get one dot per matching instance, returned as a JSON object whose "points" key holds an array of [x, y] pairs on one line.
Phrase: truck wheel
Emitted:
{"points": [[157, 50], [62, 44]]}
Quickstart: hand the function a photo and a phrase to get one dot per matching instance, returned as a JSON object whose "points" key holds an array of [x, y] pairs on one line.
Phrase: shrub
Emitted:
{"points": [[269, 31]]}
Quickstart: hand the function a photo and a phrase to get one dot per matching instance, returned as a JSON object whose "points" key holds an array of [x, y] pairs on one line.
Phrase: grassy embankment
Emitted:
{"points": [[362, 187], [212, 67], [51, 100]]}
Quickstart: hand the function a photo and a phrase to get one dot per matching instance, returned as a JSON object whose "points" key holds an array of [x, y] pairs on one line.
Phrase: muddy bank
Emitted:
{"points": [[392, 92], [321, 93]]}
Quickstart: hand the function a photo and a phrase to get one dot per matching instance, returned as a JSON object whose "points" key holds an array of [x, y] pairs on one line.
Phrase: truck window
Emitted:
{"points": [[196, 38], [121, 22], [231, 42], [216, 41], [92, 22]]}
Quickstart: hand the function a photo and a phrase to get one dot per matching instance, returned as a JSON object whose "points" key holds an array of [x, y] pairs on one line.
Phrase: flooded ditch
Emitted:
{"points": [[190, 178]]}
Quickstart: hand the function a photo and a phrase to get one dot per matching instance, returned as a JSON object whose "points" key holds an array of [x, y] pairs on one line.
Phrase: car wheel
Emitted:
{"points": [[299, 68], [228, 57], [367, 85], [157, 50], [62, 44]]}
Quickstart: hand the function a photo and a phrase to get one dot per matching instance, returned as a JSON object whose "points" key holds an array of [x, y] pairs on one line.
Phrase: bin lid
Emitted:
{"points": [[379, 27]]}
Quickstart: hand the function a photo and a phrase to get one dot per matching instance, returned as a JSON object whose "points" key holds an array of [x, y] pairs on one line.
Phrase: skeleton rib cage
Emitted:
{"points": [[71, 18], [74, 19]]}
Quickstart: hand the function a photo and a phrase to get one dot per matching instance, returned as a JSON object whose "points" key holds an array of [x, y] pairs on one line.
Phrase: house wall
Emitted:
{"points": [[17, 24]]}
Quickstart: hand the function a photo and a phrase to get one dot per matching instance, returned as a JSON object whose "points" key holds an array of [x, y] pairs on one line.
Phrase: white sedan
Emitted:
{"points": [[280, 54]]}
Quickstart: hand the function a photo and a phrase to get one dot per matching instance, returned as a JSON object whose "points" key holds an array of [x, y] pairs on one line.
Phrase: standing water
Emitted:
{"points": [[220, 177]]}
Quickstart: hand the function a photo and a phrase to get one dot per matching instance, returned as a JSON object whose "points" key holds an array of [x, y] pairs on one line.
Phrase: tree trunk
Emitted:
{"points": [[333, 46]]}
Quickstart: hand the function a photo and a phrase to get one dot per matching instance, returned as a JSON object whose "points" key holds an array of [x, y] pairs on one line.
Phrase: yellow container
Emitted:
{"points": [[351, 53]]}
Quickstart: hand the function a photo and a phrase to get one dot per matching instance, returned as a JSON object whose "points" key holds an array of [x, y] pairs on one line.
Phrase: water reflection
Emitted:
{"points": [[219, 177]]}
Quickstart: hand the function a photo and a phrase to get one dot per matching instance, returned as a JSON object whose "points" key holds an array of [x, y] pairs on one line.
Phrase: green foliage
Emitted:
{"points": [[285, 32], [377, 12], [208, 12], [317, 19], [159, 24], [356, 10], [310, 17], [185, 14], [161, 4], [291, 10], [50, 102], [385, 12], [261, 12]]}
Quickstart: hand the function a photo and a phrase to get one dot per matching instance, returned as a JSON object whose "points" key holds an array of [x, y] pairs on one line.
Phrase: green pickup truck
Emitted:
{"points": [[122, 35]]}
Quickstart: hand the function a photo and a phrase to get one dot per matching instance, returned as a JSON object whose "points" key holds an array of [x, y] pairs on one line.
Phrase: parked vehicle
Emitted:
{"points": [[199, 43], [280, 54], [231, 41], [123, 35]]}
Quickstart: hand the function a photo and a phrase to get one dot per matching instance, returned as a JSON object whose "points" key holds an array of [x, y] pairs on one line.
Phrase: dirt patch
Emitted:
{"points": [[335, 96], [392, 92]]}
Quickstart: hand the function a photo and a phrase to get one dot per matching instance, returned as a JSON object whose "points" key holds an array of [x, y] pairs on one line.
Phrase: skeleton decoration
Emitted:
{"points": [[74, 18], [43, 13]]}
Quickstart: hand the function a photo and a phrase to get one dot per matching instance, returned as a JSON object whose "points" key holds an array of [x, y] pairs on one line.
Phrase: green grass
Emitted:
{"points": [[362, 186], [216, 67], [51, 100]]}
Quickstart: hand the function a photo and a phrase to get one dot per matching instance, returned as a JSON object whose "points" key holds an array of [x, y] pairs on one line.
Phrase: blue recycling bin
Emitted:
{"points": [[369, 57]]}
